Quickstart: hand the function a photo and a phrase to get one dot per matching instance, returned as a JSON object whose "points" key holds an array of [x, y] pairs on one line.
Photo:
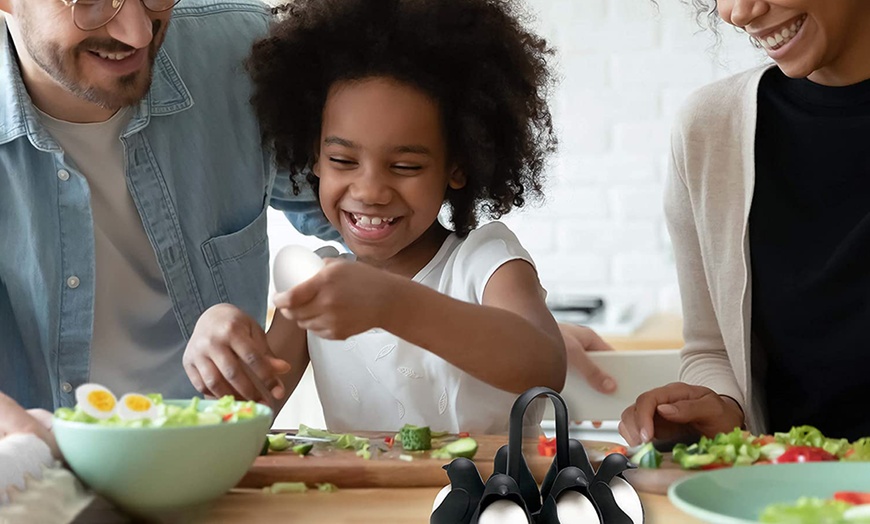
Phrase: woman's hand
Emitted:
{"points": [[15, 419], [679, 411]]}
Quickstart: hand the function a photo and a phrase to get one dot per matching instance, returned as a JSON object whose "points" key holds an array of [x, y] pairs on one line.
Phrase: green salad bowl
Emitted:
{"points": [[153, 470]]}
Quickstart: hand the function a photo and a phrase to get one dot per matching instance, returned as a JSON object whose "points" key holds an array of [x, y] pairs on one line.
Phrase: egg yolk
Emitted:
{"points": [[102, 400], [137, 403]]}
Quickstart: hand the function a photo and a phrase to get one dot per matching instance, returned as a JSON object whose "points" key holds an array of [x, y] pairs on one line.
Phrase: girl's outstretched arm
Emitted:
{"points": [[510, 341]]}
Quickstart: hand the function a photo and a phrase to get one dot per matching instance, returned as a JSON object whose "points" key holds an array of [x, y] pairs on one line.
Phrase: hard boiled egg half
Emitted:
{"points": [[135, 406], [96, 400]]}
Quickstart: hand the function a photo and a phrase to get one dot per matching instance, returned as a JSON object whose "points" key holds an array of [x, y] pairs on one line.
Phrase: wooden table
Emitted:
{"points": [[368, 506]]}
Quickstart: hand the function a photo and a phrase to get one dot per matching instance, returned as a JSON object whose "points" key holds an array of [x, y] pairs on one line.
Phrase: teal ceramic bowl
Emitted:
{"points": [[739, 495], [148, 471]]}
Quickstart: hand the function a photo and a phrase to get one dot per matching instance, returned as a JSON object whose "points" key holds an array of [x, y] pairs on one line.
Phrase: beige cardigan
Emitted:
{"points": [[707, 200]]}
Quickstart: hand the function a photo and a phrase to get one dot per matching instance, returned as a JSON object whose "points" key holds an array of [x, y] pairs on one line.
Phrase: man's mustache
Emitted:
{"points": [[110, 45]]}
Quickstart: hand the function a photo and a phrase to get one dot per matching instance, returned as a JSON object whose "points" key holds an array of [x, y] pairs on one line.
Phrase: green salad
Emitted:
{"points": [[740, 448], [810, 510], [97, 405]]}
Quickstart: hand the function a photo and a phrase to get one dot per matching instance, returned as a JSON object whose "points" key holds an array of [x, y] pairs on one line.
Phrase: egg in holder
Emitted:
{"points": [[572, 492]]}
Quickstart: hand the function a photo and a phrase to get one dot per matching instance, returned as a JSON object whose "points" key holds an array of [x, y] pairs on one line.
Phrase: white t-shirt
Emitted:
{"points": [[137, 344], [378, 382]]}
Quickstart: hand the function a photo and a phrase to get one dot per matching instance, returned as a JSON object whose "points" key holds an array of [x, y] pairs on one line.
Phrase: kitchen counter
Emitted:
{"points": [[369, 506], [659, 331]]}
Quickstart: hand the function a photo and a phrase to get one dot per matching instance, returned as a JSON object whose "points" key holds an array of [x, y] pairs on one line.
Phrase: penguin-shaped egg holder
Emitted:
{"points": [[572, 492]]}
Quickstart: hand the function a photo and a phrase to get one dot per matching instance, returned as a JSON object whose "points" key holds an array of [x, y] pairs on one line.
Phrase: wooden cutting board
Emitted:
{"points": [[345, 469], [657, 480]]}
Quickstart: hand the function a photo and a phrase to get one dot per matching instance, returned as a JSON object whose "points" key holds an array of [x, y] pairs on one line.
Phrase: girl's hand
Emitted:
{"points": [[15, 419], [679, 411], [341, 300], [579, 340], [228, 355]]}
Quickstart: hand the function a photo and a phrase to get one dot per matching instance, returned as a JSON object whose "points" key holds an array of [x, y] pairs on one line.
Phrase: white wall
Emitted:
{"points": [[625, 68]]}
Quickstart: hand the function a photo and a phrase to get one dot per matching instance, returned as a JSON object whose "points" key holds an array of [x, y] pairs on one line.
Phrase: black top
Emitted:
{"points": [[809, 239]]}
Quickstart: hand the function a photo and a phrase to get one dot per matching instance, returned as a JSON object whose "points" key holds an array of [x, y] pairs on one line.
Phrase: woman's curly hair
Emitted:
{"points": [[488, 74]]}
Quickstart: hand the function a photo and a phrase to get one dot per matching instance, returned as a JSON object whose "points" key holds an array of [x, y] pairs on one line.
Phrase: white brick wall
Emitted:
{"points": [[625, 67]]}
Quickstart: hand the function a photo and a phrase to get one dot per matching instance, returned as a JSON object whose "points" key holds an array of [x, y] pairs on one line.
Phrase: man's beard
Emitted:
{"points": [[63, 67]]}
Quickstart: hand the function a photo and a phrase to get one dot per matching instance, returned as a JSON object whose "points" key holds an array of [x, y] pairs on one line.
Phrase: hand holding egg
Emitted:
{"points": [[294, 265]]}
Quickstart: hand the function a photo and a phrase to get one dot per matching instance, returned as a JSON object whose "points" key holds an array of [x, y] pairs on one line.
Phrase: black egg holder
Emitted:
{"points": [[513, 480]]}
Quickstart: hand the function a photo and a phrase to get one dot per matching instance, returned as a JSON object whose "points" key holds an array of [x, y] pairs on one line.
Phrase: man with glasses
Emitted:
{"points": [[133, 190]]}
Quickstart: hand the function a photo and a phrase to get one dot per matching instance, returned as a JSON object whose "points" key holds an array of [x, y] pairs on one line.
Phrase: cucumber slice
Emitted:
{"points": [[303, 449], [647, 457], [278, 442], [464, 447]]}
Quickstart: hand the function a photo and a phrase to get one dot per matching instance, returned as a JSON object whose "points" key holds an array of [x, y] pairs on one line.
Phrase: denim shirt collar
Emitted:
{"points": [[167, 95]]}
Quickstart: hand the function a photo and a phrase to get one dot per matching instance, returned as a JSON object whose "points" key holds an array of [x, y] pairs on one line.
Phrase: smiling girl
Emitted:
{"points": [[401, 108], [768, 206]]}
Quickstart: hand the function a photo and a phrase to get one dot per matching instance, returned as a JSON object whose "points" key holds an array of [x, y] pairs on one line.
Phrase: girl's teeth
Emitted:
{"points": [[364, 220]]}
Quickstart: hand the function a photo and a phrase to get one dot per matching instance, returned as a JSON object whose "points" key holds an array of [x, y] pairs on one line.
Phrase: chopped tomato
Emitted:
{"points": [[764, 440], [227, 417], [616, 449], [852, 497], [804, 454], [462, 434], [546, 446], [389, 441]]}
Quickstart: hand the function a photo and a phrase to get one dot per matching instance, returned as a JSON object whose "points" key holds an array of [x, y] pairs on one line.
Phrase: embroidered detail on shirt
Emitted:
{"points": [[408, 372], [350, 345], [401, 409], [372, 373], [375, 331], [386, 350], [354, 393], [442, 402]]}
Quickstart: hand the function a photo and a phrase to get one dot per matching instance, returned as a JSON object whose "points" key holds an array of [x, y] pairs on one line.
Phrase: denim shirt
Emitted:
{"points": [[198, 176]]}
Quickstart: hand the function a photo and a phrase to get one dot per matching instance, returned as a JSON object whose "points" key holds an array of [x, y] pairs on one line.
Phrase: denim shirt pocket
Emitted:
{"points": [[239, 264]]}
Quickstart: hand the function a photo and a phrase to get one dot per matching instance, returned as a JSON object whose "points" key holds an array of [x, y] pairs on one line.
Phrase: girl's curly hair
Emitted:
{"points": [[705, 12], [488, 74]]}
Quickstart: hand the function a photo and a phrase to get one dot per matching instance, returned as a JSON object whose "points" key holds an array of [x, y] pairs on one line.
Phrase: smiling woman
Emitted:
{"points": [[776, 164]]}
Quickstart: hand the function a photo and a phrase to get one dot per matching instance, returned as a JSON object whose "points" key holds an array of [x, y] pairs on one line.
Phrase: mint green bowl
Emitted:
{"points": [[739, 495], [149, 471]]}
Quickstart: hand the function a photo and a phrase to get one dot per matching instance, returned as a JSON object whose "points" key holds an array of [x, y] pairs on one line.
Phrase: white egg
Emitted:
{"points": [[294, 265], [573, 508], [503, 512], [96, 400], [439, 498], [857, 513], [627, 499], [134, 406]]}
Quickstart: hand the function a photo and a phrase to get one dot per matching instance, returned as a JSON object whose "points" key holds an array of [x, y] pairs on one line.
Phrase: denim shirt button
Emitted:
{"points": [[63, 174], [73, 282], [66, 387]]}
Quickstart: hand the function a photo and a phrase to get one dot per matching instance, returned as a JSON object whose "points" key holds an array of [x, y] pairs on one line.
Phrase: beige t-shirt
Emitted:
{"points": [[137, 344]]}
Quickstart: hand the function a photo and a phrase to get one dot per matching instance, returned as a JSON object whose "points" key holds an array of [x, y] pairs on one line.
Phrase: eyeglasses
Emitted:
{"points": [[89, 15]]}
